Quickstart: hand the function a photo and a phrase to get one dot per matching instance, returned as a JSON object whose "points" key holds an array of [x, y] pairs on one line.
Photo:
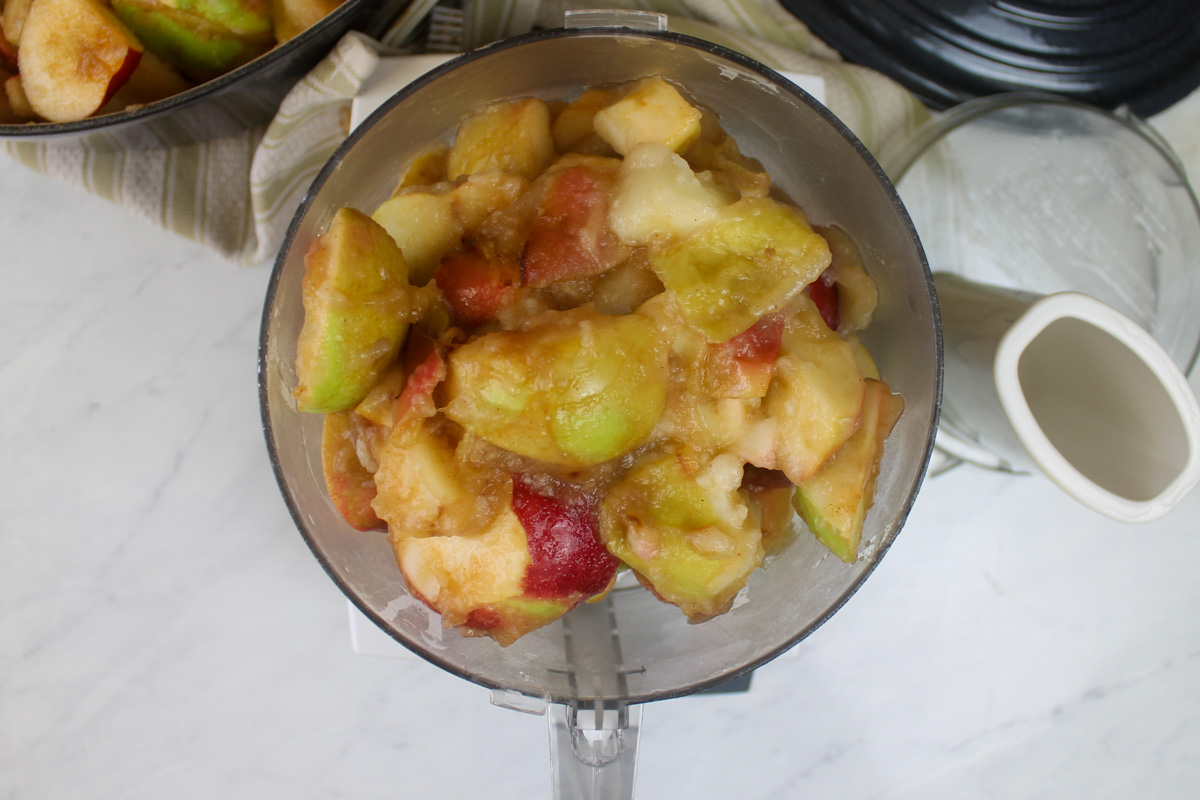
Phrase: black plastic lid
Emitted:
{"points": [[1108, 53]]}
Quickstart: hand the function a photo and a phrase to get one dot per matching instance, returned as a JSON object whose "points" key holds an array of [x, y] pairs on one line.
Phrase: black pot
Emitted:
{"points": [[240, 99]]}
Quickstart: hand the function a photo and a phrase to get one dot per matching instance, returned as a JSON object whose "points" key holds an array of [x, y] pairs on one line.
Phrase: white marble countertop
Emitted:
{"points": [[165, 632]]}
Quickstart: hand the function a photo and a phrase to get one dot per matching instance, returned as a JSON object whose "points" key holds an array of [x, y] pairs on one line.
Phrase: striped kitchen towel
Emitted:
{"points": [[236, 195]]}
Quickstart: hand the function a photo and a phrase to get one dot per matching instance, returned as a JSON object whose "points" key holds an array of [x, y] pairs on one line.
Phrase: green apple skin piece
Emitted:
{"points": [[834, 502], [357, 302], [685, 527], [201, 38], [815, 396], [750, 260], [577, 389]]}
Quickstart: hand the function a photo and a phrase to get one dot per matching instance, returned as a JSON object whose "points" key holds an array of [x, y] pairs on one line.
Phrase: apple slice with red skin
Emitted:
{"points": [[569, 237], [539, 558], [351, 487], [567, 556], [477, 287], [743, 366], [426, 369], [824, 294], [74, 54], [8, 55]]}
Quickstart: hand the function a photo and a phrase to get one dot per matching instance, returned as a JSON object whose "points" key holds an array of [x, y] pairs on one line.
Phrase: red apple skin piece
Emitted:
{"points": [[74, 55], [351, 487], [8, 55], [568, 558], [569, 237], [476, 287], [426, 369], [743, 366], [824, 294]]}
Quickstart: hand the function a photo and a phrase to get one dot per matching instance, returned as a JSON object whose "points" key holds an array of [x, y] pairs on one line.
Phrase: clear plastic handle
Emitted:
{"points": [[593, 751]]}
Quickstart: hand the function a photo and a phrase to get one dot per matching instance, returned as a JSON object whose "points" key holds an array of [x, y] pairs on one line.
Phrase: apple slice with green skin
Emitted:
{"points": [[755, 256], [685, 527], [814, 400], [569, 237], [74, 55], [351, 487], [835, 500], [539, 558], [202, 38], [576, 389], [357, 302]]}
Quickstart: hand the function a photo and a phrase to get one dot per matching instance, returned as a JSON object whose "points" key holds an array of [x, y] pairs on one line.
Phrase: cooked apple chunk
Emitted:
{"points": [[834, 501], [357, 302], [651, 111], [684, 526], [513, 136], [749, 261], [577, 388], [74, 55]]}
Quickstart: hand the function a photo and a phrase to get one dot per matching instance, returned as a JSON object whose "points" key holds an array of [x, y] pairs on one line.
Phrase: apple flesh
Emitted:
{"points": [[290, 18], [747, 262], [539, 558], [513, 136], [357, 302], [73, 56], [834, 501], [814, 400], [350, 486], [577, 389], [685, 527], [201, 38]]}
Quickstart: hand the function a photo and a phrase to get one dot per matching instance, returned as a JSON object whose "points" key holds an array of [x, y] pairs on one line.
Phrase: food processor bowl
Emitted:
{"points": [[595, 664]]}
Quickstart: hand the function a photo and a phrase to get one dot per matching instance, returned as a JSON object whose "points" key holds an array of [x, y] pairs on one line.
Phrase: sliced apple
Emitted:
{"points": [[577, 389], [814, 400], [202, 38], [293, 17], [834, 501], [351, 487], [12, 19], [658, 198], [476, 287], [685, 527], [513, 136], [853, 289], [569, 237], [74, 54], [357, 301], [652, 110], [539, 558], [428, 223], [749, 261], [744, 365], [17, 102], [574, 123]]}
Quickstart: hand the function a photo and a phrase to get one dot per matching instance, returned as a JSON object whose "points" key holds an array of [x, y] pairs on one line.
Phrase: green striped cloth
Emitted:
{"points": [[202, 192]]}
